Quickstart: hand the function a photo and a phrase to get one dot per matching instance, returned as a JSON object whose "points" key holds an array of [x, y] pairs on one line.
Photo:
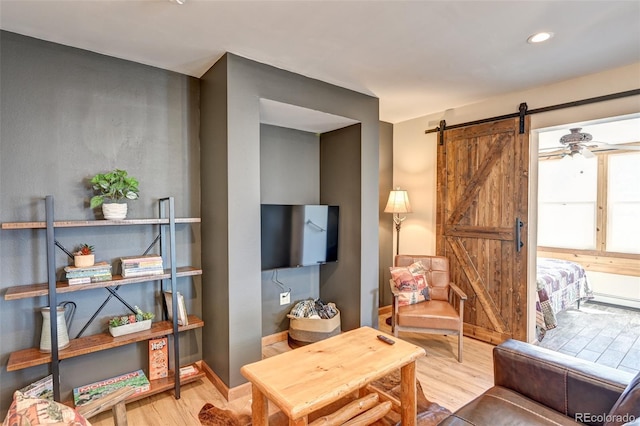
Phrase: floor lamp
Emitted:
{"points": [[398, 203]]}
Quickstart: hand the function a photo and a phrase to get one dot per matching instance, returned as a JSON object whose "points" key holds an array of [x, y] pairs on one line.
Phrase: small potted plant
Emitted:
{"points": [[83, 257], [116, 186], [131, 323]]}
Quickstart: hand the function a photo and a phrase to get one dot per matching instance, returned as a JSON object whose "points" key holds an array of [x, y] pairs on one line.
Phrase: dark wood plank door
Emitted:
{"points": [[482, 193]]}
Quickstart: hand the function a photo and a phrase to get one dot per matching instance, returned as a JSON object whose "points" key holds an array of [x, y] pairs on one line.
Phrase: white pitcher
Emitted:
{"points": [[64, 315]]}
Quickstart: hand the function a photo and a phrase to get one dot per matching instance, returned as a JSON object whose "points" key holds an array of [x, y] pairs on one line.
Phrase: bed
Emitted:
{"points": [[560, 285]]}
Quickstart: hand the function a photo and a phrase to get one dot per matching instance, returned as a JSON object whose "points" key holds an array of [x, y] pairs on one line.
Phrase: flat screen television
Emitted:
{"points": [[298, 235]]}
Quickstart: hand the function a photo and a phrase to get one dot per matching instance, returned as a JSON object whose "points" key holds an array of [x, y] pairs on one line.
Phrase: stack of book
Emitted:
{"points": [[100, 271], [139, 266]]}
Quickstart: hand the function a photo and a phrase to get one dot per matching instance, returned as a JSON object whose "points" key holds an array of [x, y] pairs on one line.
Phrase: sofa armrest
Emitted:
{"points": [[566, 384]]}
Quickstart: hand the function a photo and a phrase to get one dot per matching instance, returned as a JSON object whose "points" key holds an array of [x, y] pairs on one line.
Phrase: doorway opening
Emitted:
{"points": [[588, 209]]}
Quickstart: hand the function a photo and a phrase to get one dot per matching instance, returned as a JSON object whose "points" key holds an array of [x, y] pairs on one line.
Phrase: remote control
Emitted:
{"points": [[386, 339]]}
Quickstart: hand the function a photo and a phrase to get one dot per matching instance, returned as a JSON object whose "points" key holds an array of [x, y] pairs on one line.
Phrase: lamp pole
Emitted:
{"points": [[398, 221]]}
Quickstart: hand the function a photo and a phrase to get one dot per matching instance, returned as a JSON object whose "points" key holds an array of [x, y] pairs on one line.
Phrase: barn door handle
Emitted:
{"points": [[519, 243]]}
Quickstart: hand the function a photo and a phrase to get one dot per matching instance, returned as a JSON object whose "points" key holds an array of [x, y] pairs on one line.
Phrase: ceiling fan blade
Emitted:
{"points": [[552, 148], [624, 147], [557, 152]]}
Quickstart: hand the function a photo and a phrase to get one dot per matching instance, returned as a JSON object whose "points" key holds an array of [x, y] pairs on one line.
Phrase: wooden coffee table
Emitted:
{"points": [[306, 379]]}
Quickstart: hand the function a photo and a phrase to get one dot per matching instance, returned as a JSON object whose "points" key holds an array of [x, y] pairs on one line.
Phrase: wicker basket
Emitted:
{"points": [[303, 331]]}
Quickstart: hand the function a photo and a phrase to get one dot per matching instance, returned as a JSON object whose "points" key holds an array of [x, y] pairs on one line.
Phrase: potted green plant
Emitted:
{"points": [[116, 186], [83, 256], [131, 323]]}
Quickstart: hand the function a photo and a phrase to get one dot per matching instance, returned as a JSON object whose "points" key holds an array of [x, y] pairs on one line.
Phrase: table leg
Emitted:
{"points": [[259, 407], [302, 421], [408, 399]]}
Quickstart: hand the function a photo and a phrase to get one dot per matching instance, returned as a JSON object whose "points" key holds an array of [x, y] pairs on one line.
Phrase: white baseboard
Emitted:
{"points": [[614, 300]]}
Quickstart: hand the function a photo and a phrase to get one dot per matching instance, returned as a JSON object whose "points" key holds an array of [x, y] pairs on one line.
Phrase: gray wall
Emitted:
{"points": [[341, 174], [66, 114], [215, 231], [231, 203], [289, 174], [386, 228]]}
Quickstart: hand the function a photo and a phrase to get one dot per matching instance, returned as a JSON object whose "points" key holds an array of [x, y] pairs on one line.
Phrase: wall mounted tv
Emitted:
{"points": [[298, 235]]}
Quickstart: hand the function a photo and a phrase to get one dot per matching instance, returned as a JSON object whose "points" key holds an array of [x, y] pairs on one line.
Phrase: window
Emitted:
{"points": [[567, 203], [623, 203], [569, 193]]}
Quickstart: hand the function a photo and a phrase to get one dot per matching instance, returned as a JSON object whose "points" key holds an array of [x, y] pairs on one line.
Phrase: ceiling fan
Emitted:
{"points": [[578, 142]]}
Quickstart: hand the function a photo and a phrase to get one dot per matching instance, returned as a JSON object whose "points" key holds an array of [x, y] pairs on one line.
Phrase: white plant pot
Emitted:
{"points": [[114, 211], [130, 328], [83, 260]]}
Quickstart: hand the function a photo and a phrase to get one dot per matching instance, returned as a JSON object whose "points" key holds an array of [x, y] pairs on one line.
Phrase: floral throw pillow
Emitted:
{"points": [[419, 271], [34, 411], [411, 283]]}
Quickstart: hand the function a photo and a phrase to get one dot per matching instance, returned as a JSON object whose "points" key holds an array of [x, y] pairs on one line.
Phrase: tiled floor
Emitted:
{"points": [[597, 332]]}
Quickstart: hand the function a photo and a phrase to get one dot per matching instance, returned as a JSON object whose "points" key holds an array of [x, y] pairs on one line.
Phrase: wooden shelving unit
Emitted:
{"points": [[31, 357]]}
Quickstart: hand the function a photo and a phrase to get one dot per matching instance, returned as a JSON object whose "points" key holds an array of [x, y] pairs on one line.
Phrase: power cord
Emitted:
{"points": [[274, 279]]}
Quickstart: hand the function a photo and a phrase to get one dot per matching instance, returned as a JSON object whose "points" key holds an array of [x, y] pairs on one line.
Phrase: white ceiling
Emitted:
{"points": [[417, 57], [296, 117]]}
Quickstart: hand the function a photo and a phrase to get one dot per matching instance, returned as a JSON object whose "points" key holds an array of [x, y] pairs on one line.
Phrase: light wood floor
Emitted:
{"points": [[443, 379]]}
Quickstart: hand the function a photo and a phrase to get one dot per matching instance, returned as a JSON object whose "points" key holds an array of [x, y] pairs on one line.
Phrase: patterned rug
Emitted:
{"points": [[429, 413]]}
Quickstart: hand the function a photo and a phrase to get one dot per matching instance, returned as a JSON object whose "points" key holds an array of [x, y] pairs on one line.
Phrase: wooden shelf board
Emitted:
{"points": [[88, 223], [36, 290], [97, 342]]}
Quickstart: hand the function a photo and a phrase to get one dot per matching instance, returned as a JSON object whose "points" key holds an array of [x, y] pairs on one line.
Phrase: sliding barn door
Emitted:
{"points": [[482, 200]]}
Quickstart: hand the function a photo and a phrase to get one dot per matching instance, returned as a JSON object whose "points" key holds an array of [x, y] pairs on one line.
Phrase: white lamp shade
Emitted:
{"points": [[398, 202]]}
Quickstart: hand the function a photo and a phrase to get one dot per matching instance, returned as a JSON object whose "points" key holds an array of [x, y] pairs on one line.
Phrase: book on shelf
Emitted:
{"points": [[148, 259], [41, 389], [158, 358], [89, 273], [81, 273], [182, 310], [188, 370], [134, 273], [141, 267], [91, 279], [96, 266], [153, 264], [93, 391], [142, 257]]}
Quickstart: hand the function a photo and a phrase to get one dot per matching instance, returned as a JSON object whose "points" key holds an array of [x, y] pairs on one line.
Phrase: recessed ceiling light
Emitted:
{"points": [[539, 37]]}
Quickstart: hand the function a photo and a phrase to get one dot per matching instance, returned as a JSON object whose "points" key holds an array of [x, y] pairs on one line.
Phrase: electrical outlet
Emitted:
{"points": [[285, 298]]}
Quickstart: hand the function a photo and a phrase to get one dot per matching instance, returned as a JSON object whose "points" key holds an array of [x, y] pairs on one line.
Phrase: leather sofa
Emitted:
{"points": [[537, 386]]}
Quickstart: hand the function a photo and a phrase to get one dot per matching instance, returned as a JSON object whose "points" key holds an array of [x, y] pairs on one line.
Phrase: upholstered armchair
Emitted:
{"points": [[35, 411], [442, 314]]}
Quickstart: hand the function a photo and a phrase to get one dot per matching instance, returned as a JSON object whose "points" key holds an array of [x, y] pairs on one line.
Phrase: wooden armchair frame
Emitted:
{"points": [[114, 401], [438, 317]]}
